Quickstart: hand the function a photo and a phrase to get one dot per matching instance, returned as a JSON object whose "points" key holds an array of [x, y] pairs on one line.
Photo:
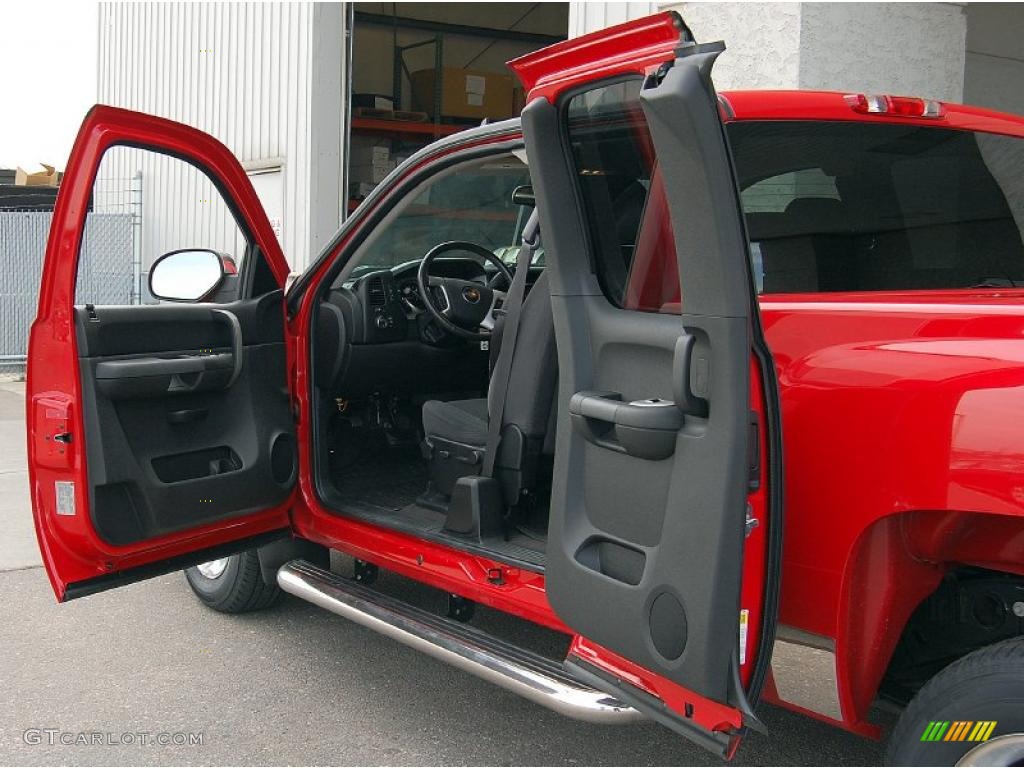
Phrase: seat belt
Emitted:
{"points": [[503, 365]]}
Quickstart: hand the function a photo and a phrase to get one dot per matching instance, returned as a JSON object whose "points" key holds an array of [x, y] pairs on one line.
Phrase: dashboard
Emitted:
{"points": [[374, 333]]}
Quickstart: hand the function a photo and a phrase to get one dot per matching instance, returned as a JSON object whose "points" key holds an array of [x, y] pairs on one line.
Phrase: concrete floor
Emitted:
{"points": [[18, 545], [293, 684]]}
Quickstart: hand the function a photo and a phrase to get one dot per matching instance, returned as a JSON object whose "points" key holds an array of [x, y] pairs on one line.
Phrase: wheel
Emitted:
{"points": [[232, 584], [986, 686]]}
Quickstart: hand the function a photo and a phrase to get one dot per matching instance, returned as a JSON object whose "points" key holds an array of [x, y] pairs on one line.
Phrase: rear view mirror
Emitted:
{"points": [[186, 275], [524, 196]]}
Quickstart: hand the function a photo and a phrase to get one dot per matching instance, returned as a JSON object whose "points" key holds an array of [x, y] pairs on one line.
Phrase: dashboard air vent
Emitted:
{"points": [[375, 291]]}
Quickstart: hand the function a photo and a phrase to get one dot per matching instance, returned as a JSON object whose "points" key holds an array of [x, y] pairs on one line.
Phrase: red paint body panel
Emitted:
{"points": [[830, 105], [630, 47], [72, 551], [489, 582], [903, 456]]}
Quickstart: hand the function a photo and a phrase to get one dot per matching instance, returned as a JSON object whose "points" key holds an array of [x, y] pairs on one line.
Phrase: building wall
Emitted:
{"points": [[994, 75], [586, 17], [904, 48], [246, 74], [914, 49], [763, 45]]}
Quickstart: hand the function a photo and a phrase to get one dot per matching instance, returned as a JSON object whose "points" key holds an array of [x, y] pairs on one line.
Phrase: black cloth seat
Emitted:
{"points": [[530, 396], [461, 421]]}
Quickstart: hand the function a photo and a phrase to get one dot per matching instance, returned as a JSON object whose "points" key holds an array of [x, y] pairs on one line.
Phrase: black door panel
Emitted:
{"points": [[187, 415], [647, 528]]}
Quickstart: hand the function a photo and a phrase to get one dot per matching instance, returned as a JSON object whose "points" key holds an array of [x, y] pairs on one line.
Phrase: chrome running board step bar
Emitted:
{"points": [[523, 672]]}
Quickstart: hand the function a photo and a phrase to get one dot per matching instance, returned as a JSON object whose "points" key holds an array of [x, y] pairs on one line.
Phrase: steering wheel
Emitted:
{"points": [[463, 307]]}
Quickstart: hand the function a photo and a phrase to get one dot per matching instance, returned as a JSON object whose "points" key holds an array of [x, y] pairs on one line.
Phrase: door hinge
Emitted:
{"points": [[754, 453]]}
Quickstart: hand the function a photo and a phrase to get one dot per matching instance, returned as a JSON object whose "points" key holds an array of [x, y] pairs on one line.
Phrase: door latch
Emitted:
{"points": [[52, 417], [752, 522]]}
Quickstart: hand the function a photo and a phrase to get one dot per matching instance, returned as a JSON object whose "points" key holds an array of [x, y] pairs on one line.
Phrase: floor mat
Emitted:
{"points": [[389, 479], [381, 484]]}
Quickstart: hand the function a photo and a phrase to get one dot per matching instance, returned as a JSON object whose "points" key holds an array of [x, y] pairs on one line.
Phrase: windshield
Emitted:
{"points": [[849, 206], [474, 203]]}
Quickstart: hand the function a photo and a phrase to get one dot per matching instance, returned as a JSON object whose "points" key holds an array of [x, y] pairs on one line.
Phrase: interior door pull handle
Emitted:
{"points": [[186, 415], [646, 429], [236, 342], [686, 400]]}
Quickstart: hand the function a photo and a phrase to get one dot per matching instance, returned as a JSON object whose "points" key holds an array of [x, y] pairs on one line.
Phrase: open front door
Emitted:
{"points": [[160, 434], [664, 531]]}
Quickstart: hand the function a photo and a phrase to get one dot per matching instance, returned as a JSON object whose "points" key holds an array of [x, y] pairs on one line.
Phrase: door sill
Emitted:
{"points": [[427, 524]]}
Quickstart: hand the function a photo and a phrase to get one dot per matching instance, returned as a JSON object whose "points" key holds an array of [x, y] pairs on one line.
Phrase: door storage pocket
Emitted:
{"points": [[196, 464]]}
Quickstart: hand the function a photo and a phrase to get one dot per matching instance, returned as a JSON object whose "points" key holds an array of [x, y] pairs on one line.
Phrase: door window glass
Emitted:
{"points": [[146, 204], [623, 197]]}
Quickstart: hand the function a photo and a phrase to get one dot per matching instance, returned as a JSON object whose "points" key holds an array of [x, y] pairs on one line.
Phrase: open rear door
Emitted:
{"points": [[160, 435], [665, 523]]}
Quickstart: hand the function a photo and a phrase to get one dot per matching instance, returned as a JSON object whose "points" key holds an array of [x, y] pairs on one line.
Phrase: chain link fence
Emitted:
{"points": [[109, 270]]}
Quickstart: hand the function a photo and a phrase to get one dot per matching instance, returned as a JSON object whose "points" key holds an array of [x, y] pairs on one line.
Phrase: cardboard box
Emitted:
{"points": [[368, 150], [45, 178], [465, 93], [518, 99], [373, 101], [374, 173]]}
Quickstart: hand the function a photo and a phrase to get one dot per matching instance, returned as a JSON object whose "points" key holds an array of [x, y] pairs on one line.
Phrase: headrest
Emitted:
{"points": [[765, 226], [812, 215]]}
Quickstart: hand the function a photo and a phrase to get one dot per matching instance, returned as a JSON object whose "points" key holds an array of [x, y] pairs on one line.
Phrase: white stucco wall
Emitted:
{"points": [[762, 41], [994, 75], [915, 49], [902, 48]]}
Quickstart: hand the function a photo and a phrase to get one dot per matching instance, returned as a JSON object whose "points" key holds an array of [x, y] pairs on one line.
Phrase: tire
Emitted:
{"points": [[986, 685], [234, 586]]}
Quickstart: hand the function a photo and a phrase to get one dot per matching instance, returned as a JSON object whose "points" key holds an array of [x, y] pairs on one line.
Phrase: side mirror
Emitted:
{"points": [[186, 275], [524, 196]]}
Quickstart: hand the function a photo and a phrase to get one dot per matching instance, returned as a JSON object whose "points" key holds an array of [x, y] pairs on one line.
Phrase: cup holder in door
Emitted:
{"points": [[612, 559], [193, 465]]}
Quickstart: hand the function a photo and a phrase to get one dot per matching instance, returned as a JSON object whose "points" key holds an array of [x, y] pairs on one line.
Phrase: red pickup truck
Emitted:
{"points": [[752, 431]]}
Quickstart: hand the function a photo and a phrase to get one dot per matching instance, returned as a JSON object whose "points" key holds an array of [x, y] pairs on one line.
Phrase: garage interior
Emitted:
{"points": [[421, 71]]}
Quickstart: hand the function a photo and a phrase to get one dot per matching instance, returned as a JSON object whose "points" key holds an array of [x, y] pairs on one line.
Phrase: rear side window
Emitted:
{"points": [[847, 206], [623, 197]]}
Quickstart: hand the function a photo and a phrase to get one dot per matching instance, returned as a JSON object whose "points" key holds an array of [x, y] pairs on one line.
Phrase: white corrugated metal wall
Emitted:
{"points": [[587, 17], [245, 74]]}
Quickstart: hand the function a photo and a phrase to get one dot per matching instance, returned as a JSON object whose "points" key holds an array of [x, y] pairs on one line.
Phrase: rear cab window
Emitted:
{"points": [[856, 207], [830, 206]]}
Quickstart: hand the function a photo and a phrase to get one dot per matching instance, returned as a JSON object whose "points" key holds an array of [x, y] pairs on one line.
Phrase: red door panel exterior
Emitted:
{"points": [[72, 551]]}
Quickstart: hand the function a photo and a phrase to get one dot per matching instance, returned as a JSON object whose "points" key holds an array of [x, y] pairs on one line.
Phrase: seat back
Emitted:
{"points": [[806, 248], [534, 373], [527, 430]]}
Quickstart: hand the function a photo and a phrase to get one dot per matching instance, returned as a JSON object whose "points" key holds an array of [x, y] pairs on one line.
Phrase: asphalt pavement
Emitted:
{"points": [[147, 675]]}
